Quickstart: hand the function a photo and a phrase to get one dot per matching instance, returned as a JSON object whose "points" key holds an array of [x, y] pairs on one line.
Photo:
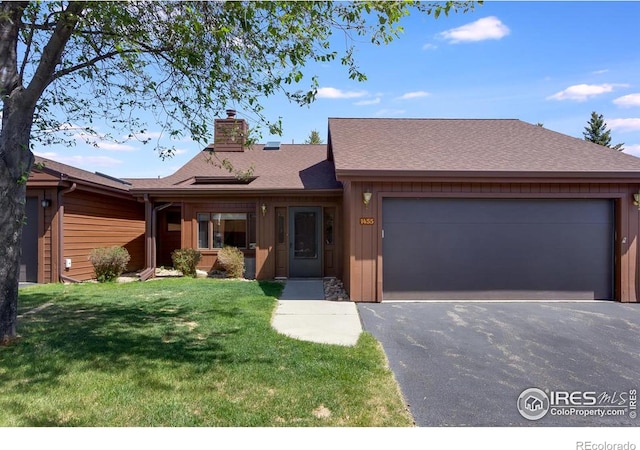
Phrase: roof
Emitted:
{"points": [[69, 173], [292, 167], [467, 147]]}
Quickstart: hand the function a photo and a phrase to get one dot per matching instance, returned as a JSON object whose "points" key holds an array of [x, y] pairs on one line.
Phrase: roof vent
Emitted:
{"points": [[272, 145]]}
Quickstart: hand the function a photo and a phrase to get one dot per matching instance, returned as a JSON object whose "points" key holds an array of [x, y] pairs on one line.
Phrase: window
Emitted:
{"points": [[203, 230], [216, 230], [174, 219], [328, 226], [281, 227]]}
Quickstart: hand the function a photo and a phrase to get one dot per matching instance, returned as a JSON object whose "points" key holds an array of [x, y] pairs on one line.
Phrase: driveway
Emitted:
{"points": [[466, 363]]}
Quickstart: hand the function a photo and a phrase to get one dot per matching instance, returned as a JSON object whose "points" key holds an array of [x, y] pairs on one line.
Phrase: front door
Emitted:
{"points": [[305, 249]]}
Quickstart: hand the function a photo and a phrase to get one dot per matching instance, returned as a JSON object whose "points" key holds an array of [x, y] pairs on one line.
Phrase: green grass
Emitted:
{"points": [[183, 352]]}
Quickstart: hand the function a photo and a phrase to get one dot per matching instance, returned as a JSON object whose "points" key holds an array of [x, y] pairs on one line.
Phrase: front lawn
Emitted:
{"points": [[183, 352]]}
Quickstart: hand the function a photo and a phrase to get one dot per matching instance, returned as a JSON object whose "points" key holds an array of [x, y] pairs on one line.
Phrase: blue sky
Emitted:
{"points": [[547, 62]]}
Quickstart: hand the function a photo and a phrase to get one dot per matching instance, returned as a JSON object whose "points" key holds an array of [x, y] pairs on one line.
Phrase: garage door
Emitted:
{"points": [[455, 249]]}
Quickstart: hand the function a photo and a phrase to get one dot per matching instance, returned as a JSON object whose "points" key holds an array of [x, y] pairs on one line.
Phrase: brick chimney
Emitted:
{"points": [[230, 134]]}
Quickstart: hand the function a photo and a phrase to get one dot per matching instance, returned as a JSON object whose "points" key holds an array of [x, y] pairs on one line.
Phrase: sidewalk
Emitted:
{"points": [[302, 313]]}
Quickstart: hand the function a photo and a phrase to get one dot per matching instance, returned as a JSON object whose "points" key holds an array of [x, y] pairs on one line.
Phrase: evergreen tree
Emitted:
{"points": [[597, 132], [314, 138]]}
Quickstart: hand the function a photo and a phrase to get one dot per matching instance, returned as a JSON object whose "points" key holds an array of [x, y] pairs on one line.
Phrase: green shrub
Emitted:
{"points": [[186, 261], [232, 261], [109, 262]]}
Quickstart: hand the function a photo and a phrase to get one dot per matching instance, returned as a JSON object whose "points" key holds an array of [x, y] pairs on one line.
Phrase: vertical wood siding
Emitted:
{"points": [[363, 261], [95, 220]]}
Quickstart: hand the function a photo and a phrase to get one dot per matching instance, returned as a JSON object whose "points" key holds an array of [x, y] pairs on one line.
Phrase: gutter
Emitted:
{"points": [[63, 278], [150, 244], [488, 176]]}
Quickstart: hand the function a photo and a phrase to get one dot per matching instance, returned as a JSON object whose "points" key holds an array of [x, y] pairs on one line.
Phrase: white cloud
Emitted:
{"points": [[429, 46], [582, 92], [330, 92], [373, 101], [115, 146], [600, 72], [628, 100], [480, 30], [632, 150], [412, 95], [632, 124]]}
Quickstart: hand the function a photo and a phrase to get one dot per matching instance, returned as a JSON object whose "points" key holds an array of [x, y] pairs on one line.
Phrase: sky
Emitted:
{"points": [[540, 62]]}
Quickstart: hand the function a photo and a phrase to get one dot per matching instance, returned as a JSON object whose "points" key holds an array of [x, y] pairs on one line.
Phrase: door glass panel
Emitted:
{"points": [[281, 228], [328, 226], [305, 244]]}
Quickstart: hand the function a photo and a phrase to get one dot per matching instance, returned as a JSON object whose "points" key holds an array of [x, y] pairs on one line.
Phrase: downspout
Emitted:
{"points": [[61, 277], [150, 241]]}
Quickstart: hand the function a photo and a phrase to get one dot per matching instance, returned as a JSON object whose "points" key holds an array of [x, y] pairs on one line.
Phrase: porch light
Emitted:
{"points": [[45, 203], [263, 208], [366, 197], [636, 200]]}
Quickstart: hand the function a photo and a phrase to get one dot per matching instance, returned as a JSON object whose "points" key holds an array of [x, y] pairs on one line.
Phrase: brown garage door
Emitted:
{"points": [[538, 249]]}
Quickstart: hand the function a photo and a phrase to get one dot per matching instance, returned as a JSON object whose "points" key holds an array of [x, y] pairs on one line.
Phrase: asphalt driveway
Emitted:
{"points": [[466, 364]]}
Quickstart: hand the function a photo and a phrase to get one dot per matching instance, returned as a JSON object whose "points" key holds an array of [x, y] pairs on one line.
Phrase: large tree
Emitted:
{"points": [[64, 63], [596, 131]]}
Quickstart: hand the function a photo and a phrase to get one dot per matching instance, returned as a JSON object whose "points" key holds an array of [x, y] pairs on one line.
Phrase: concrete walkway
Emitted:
{"points": [[302, 313]]}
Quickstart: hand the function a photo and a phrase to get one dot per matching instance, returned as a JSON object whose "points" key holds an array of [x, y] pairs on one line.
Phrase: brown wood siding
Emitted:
{"points": [[47, 232], [93, 220], [167, 240], [348, 228], [363, 274]]}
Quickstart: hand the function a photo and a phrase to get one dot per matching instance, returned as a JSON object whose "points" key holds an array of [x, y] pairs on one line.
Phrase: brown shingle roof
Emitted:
{"points": [[293, 167], [467, 146], [65, 172]]}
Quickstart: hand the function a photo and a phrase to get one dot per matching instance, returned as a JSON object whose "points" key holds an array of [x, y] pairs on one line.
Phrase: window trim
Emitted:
{"points": [[210, 229]]}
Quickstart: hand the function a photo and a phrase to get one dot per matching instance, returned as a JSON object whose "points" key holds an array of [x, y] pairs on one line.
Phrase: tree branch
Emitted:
{"points": [[89, 63], [27, 51], [55, 47], [10, 20]]}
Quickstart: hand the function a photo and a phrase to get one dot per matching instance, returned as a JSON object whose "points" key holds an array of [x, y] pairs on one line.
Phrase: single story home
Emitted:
{"points": [[70, 212], [399, 209]]}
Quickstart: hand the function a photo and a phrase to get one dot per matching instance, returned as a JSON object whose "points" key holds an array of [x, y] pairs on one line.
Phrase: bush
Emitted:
{"points": [[232, 261], [109, 262], [186, 260]]}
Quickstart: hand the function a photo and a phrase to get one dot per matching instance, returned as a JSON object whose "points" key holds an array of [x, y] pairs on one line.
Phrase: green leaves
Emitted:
{"points": [[186, 61]]}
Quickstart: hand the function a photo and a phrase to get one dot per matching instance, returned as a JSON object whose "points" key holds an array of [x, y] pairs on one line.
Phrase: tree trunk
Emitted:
{"points": [[16, 160]]}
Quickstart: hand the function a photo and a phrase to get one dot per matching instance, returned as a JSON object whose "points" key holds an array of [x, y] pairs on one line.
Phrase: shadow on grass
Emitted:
{"points": [[111, 337], [271, 288]]}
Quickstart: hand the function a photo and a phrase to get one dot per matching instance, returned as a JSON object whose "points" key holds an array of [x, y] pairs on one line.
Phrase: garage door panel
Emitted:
{"points": [[502, 249]]}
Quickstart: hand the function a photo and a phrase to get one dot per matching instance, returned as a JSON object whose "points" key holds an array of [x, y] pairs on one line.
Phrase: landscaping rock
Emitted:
{"points": [[334, 290]]}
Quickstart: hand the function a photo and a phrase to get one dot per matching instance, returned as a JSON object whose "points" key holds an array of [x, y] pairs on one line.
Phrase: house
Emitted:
{"points": [[533, 404], [405, 209], [69, 213]]}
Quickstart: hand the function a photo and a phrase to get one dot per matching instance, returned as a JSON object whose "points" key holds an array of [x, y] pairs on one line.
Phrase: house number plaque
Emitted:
{"points": [[367, 221]]}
